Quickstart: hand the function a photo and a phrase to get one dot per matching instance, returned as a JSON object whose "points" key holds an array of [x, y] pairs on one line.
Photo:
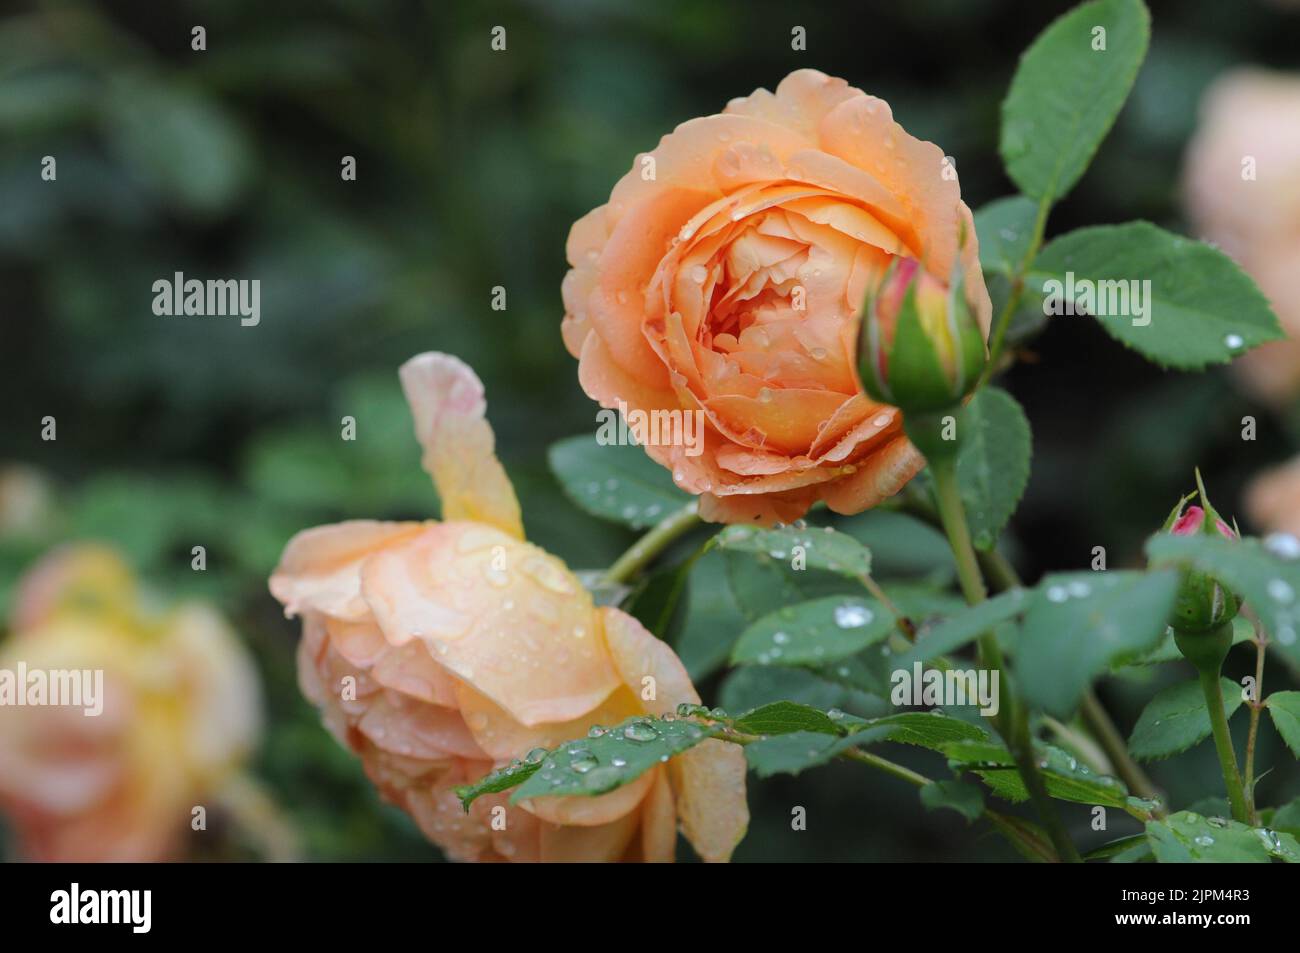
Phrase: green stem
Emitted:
{"points": [[1013, 717], [952, 514], [1022, 840], [887, 766], [1213, 690], [645, 549], [1116, 749]]}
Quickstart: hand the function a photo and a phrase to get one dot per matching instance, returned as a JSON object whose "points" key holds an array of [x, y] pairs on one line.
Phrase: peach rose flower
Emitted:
{"points": [[726, 275], [181, 709], [1242, 192], [1273, 499], [438, 651]]}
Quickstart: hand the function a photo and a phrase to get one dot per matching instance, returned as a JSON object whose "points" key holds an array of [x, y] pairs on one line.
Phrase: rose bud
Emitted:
{"points": [[921, 348], [1203, 603]]}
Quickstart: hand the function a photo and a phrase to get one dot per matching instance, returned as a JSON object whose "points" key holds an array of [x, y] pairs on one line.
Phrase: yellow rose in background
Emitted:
{"points": [[1242, 190], [440, 650], [181, 709], [726, 274]]}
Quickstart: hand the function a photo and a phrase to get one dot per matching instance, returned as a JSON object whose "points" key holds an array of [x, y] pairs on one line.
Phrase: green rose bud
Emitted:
{"points": [[1204, 604], [920, 348]]}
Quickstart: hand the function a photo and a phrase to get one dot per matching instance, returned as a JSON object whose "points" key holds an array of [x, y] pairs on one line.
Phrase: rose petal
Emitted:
{"points": [[320, 569], [495, 612], [447, 401]]}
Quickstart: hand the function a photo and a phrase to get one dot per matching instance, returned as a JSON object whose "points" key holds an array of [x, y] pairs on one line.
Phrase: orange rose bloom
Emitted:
{"points": [[440, 651], [726, 275], [181, 709]]}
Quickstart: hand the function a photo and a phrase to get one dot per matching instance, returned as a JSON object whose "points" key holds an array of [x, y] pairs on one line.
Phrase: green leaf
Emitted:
{"points": [[902, 545], [759, 585], [1199, 308], [1065, 94], [993, 462], [795, 752], [1006, 229], [1080, 623], [966, 799], [658, 601], [615, 482], [780, 718], [503, 779], [753, 686], [818, 547], [869, 672], [1287, 817], [1187, 837], [1066, 778], [1284, 707], [926, 729], [965, 626], [813, 633], [713, 620], [1176, 719], [1269, 583], [596, 765], [1113, 850]]}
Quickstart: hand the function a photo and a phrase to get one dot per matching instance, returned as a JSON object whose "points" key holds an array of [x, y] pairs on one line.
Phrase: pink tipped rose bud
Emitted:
{"points": [[1193, 518]]}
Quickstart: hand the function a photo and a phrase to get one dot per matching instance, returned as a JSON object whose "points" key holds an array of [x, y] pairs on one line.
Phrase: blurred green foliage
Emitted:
{"points": [[471, 167]]}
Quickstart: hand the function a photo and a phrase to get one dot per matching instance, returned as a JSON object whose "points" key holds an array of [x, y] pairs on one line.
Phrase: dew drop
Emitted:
{"points": [[852, 617], [1280, 590], [1283, 545], [640, 731]]}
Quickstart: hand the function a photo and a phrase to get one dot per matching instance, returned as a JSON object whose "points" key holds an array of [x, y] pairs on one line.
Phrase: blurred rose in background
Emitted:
{"points": [[181, 711], [1243, 194], [1273, 499]]}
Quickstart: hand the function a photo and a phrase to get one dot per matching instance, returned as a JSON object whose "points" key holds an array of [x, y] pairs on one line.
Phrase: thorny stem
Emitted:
{"points": [[1256, 707], [1021, 839], [660, 537], [1014, 718]]}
